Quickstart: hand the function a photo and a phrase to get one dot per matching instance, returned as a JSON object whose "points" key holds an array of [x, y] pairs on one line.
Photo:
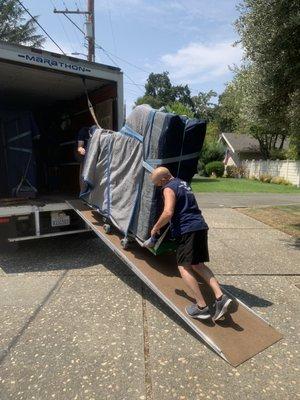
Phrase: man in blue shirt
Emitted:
{"points": [[83, 137], [190, 229]]}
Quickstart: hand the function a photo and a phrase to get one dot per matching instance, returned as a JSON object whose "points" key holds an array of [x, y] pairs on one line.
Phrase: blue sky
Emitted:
{"points": [[190, 39]]}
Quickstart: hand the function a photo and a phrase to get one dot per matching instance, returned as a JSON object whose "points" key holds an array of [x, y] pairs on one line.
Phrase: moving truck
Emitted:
{"points": [[43, 104], [45, 99]]}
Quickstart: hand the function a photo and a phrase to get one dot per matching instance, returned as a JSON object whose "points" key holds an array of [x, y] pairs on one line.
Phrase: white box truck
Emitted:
{"points": [[43, 105]]}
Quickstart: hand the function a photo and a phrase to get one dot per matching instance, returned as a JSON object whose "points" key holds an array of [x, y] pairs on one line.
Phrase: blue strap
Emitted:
{"points": [[149, 127], [182, 144], [108, 174], [130, 132], [20, 149], [126, 130], [21, 135], [136, 202], [147, 166], [159, 161]]}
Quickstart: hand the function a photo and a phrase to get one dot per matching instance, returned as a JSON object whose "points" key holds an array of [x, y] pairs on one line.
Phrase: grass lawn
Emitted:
{"points": [[284, 218], [239, 185]]}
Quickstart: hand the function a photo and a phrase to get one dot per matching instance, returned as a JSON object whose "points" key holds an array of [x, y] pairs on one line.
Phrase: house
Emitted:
{"points": [[239, 148]]}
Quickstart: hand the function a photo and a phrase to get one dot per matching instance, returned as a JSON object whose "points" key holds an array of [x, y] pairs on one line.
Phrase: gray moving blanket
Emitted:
{"points": [[118, 164]]}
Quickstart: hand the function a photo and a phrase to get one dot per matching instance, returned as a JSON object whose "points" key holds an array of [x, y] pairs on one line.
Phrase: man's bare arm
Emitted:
{"points": [[80, 148], [167, 214]]}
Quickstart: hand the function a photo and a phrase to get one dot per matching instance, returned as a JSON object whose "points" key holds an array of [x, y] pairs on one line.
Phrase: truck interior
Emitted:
{"points": [[41, 112]]}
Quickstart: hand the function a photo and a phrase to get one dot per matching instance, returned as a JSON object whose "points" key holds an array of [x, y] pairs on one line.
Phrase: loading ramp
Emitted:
{"points": [[237, 338]]}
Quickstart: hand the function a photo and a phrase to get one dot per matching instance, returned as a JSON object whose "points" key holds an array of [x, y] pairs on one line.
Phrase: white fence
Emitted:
{"points": [[287, 169]]}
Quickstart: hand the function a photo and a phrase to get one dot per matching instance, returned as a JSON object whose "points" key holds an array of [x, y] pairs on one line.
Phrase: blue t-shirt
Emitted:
{"points": [[83, 135], [187, 217]]}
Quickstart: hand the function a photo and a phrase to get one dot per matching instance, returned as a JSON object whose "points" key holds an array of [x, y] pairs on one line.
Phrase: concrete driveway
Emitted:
{"points": [[76, 324], [234, 200]]}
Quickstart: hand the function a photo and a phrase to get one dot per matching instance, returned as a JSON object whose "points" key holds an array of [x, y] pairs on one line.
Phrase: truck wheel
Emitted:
{"points": [[125, 243], [107, 228]]}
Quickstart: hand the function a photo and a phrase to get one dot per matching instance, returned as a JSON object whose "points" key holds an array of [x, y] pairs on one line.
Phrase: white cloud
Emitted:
{"points": [[198, 63]]}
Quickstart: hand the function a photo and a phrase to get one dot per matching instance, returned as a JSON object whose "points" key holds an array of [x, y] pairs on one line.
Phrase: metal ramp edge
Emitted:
{"points": [[93, 220]]}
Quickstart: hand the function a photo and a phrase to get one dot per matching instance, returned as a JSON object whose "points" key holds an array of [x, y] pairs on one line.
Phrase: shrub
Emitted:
{"points": [[235, 172], [242, 171], [231, 171], [216, 167], [278, 154], [279, 180], [212, 151], [265, 178]]}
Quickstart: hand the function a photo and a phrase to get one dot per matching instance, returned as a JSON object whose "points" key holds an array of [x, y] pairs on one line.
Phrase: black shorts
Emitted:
{"points": [[192, 248]]}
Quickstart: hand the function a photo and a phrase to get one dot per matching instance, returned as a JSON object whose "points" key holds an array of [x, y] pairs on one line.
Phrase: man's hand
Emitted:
{"points": [[155, 231], [81, 151]]}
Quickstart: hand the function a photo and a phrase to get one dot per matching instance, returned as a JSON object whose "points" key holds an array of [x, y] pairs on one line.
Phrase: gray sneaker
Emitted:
{"points": [[195, 312], [221, 307]]}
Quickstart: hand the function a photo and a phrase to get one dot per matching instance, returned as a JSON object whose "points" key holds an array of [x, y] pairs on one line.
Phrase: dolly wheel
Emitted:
{"points": [[125, 243], [107, 228]]}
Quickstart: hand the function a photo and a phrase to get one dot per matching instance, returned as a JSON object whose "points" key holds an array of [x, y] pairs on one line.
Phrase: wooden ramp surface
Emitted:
{"points": [[237, 338]]}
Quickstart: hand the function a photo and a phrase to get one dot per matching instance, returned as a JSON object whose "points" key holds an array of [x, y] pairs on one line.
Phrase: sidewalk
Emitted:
{"points": [[76, 324]]}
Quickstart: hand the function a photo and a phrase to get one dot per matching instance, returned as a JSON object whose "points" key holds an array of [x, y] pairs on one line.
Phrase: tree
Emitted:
{"points": [[159, 87], [152, 101], [180, 109], [294, 123], [212, 131], [159, 92], [182, 94], [212, 151], [270, 35], [202, 105], [15, 28], [229, 104]]}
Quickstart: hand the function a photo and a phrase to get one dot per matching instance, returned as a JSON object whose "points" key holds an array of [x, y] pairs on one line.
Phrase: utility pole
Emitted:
{"points": [[91, 34], [90, 25]]}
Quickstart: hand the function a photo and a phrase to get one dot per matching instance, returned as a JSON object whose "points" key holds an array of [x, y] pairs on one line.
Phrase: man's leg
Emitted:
{"points": [[208, 276], [188, 276], [222, 300]]}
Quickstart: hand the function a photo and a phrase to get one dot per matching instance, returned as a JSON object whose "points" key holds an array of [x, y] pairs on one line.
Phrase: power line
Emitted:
{"points": [[74, 23], [121, 59], [137, 84], [65, 14], [63, 27], [113, 61], [107, 53], [83, 20], [111, 25], [103, 49], [36, 21]]}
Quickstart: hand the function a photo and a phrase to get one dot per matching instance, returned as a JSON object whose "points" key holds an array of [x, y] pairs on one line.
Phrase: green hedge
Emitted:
{"points": [[216, 167]]}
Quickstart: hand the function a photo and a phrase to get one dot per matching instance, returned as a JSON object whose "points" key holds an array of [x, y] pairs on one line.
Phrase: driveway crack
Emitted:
{"points": [[148, 380]]}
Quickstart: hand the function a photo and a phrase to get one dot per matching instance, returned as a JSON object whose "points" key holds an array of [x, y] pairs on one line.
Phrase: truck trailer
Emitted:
{"points": [[45, 99]]}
